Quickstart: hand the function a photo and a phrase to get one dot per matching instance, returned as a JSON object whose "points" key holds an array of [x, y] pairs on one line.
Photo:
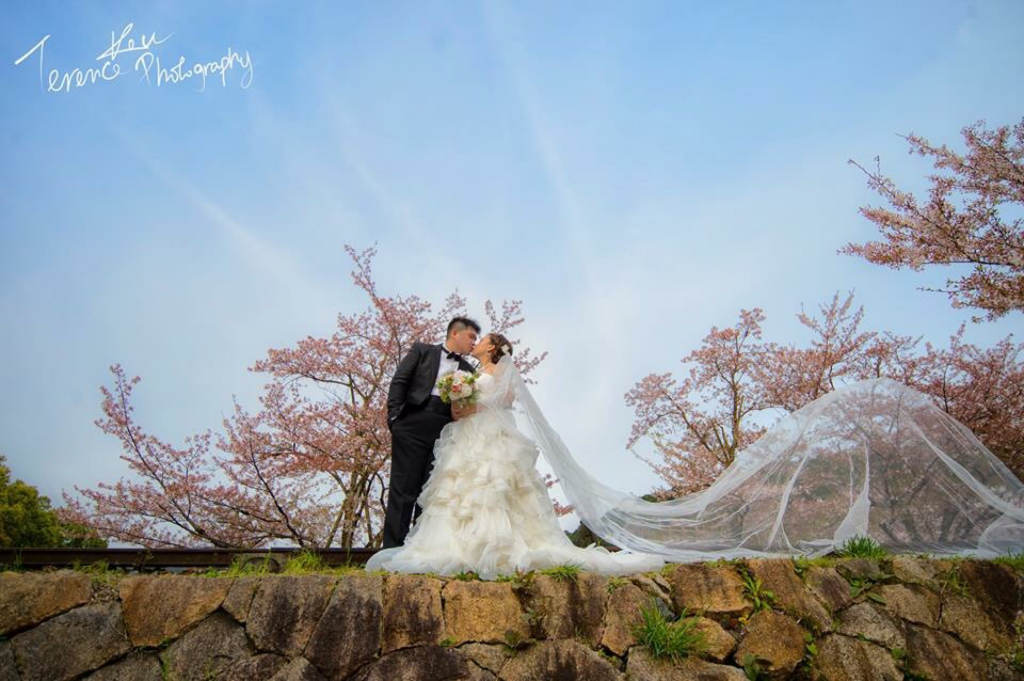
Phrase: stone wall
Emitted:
{"points": [[908, 618]]}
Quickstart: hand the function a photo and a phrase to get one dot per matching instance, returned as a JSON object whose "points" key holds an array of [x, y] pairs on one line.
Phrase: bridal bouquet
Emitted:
{"points": [[457, 387]]}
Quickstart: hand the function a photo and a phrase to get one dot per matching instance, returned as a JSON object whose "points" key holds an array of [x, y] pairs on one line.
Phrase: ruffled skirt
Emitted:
{"points": [[487, 510]]}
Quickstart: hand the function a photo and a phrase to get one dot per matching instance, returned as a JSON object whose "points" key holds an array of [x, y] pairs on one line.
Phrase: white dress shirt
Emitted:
{"points": [[446, 366]]}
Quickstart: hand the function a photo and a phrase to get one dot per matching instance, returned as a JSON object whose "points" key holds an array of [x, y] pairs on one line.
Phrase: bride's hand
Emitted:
{"points": [[461, 411]]}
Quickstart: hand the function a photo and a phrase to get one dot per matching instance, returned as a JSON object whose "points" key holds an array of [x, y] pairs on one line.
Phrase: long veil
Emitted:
{"points": [[874, 458]]}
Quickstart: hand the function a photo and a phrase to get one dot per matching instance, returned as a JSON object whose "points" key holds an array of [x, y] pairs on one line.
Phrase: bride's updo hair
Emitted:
{"points": [[500, 344]]}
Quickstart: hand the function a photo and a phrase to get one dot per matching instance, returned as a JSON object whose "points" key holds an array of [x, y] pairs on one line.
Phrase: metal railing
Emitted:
{"points": [[143, 558]]}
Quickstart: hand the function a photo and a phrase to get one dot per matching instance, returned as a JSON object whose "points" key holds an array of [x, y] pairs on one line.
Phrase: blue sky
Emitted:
{"points": [[635, 173]]}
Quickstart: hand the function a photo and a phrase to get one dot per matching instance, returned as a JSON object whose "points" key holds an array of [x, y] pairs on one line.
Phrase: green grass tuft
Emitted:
{"points": [[97, 568], [306, 561], [669, 640], [802, 564], [514, 642], [520, 579], [616, 582], [100, 572], [303, 563], [240, 568], [568, 572], [860, 546], [1014, 560]]}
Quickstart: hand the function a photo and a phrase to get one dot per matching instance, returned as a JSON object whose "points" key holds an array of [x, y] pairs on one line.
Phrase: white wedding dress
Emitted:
{"points": [[486, 508], [875, 458]]}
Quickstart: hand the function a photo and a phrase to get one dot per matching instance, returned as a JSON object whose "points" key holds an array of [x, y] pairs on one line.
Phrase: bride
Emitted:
{"points": [[872, 458], [486, 509]]}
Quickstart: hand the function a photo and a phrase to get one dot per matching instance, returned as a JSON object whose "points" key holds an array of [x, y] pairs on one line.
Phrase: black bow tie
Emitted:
{"points": [[454, 355]]}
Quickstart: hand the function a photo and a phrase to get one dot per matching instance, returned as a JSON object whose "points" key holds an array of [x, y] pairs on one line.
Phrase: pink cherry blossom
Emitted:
{"points": [[938, 233], [310, 468], [736, 385]]}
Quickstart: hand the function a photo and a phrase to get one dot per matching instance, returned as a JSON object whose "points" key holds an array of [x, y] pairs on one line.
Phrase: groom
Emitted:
{"points": [[416, 416]]}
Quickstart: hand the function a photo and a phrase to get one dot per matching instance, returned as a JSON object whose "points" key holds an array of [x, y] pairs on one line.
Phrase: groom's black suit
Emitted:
{"points": [[415, 419]]}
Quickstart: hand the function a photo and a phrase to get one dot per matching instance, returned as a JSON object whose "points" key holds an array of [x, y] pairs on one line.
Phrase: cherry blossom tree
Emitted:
{"points": [[918, 234], [699, 424], [983, 388], [310, 468], [736, 383]]}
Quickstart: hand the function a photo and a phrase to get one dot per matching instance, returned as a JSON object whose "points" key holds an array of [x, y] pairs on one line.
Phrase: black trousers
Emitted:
{"points": [[412, 456]]}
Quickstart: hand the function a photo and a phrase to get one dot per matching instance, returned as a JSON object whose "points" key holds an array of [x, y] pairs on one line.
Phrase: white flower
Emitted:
{"points": [[506, 349]]}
